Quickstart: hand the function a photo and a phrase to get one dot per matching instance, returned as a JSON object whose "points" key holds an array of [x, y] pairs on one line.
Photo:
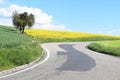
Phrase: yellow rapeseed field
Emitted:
{"points": [[61, 34]]}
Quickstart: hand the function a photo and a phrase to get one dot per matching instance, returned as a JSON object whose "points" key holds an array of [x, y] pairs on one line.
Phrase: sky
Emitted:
{"points": [[92, 16]]}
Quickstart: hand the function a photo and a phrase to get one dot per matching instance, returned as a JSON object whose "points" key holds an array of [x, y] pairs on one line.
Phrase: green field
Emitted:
{"points": [[102, 38], [107, 47], [16, 49]]}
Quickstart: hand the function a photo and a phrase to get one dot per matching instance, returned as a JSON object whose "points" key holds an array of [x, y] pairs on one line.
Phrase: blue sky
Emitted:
{"points": [[93, 16]]}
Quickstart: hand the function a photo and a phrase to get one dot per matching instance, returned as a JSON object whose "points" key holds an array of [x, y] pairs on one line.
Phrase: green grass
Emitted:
{"points": [[16, 49], [107, 47], [84, 39]]}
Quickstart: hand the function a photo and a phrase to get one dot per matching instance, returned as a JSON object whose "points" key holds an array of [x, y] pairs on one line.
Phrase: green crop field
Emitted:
{"points": [[16, 49]]}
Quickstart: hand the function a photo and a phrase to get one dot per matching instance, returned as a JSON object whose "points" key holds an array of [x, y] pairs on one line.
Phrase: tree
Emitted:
{"points": [[20, 21]]}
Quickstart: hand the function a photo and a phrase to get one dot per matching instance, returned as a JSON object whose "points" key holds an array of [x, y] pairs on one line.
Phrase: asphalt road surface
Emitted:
{"points": [[72, 61]]}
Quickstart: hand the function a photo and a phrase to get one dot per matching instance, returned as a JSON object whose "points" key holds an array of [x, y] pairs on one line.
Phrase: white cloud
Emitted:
{"points": [[42, 20], [50, 26]]}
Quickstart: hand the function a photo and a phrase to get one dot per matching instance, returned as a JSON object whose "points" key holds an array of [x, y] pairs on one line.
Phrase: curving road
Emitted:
{"points": [[72, 61]]}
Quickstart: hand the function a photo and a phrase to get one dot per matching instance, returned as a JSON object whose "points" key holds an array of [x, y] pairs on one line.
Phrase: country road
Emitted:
{"points": [[72, 61]]}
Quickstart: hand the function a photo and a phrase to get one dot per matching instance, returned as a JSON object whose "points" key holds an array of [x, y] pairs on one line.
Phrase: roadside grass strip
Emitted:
{"points": [[106, 47], [16, 49]]}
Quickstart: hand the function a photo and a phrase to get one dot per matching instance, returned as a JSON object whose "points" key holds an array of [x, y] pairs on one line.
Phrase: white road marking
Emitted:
{"points": [[47, 56]]}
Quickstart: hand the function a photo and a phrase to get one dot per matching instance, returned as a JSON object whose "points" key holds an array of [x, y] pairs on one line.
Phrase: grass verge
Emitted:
{"points": [[106, 47], [16, 49]]}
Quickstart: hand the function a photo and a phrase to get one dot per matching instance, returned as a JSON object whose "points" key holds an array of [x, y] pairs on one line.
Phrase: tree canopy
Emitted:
{"points": [[20, 21]]}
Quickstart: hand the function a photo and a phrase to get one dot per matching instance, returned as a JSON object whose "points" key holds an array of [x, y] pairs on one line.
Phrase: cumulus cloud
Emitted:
{"points": [[42, 19], [51, 26]]}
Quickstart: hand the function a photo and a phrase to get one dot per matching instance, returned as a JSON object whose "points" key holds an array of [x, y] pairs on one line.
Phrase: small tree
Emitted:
{"points": [[20, 21]]}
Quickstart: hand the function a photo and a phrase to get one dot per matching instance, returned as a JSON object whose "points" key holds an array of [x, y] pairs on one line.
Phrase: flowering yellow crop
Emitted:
{"points": [[60, 34]]}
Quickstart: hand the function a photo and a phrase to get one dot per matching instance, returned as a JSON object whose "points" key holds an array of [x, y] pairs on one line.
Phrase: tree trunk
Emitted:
{"points": [[23, 29], [20, 28]]}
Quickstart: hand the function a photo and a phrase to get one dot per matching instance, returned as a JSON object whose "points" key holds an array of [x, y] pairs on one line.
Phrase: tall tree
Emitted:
{"points": [[22, 20]]}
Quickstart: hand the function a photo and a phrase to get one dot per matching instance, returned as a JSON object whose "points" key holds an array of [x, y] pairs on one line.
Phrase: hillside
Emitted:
{"points": [[16, 49]]}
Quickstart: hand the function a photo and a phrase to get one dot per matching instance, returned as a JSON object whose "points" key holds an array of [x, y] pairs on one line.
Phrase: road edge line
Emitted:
{"points": [[45, 50]]}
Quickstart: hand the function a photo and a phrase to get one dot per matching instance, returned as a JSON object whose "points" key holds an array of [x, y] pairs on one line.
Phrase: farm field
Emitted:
{"points": [[65, 36]]}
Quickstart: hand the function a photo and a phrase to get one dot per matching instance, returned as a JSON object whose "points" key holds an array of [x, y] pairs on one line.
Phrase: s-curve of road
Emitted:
{"points": [[72, 61]]}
